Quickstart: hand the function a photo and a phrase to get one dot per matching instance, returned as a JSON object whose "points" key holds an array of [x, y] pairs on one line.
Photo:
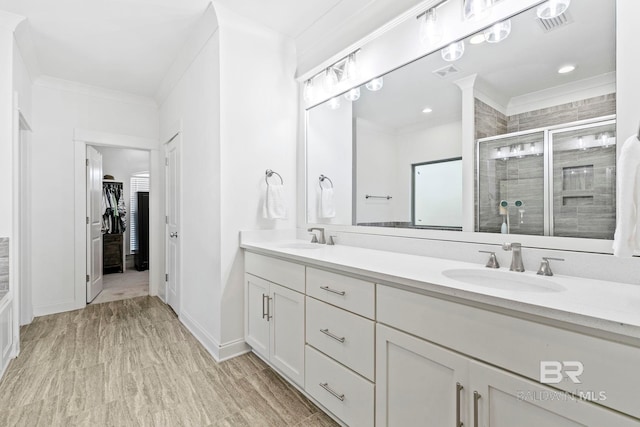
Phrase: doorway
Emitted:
{"points": [[124, 224]]}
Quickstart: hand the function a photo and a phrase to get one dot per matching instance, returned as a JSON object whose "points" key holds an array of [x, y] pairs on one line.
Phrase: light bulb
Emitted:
{"points": [[476, 10], [430, 28], [498, 32], [353, 94], [453, 52], [350, 68], [334, 103], [375, 84], [552, 8], [330, 80]]}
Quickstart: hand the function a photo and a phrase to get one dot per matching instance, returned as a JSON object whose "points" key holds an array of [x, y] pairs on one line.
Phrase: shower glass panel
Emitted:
{"points": [[584, 181], [511, 169]]}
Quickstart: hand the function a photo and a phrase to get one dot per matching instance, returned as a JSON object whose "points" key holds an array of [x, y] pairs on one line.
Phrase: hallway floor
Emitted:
{"points": [[132, 363], [119, 286]]}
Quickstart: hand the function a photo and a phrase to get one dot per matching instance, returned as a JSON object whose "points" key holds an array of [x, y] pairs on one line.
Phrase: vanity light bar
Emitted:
{"points": [[440, 3], [338, 66]]}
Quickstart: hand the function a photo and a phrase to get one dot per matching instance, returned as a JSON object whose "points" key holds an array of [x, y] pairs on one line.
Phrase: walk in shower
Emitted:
{"points": [[554, 181]]}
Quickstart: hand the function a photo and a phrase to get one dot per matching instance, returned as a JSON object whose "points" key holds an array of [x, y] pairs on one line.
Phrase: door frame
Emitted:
{"points": [[82, 138]]}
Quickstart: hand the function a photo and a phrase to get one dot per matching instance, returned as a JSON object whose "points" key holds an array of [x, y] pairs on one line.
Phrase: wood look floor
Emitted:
{"points": [[132, 363]]}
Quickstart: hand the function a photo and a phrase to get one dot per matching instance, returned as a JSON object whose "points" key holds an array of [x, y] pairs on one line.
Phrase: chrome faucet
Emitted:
{"points": [[516, 258], [321, 230]]}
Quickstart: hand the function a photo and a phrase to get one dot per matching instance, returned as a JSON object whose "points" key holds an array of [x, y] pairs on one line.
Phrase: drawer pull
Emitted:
{"points": [[326, 288], [329, 334], [459, 388], [264, 310], [332, 392], [476, 397]]}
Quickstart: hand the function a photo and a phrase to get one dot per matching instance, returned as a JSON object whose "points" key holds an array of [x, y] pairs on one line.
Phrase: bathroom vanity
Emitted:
{"points": [[390, 339]]}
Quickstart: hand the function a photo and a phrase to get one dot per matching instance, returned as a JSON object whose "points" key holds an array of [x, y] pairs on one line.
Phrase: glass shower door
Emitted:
{"points": [[511, 172], [583, 159]]}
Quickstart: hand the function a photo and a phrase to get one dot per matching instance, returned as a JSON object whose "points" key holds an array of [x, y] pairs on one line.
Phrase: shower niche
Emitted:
{"points": [[554, 181]]}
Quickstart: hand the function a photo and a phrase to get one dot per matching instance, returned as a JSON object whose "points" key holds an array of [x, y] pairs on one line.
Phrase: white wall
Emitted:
{"points": [[330, 153], [419, 145], [376, 171], [259, 116], [628, 68], [122, 163], [59, 107], [195, 101]]}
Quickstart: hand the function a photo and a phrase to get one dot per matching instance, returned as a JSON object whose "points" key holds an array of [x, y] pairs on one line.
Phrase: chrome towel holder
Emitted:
{"points": [[368, 196], [269, 173], [321, 179]]}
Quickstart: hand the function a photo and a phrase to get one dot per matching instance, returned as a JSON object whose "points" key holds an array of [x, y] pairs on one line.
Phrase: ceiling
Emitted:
{"points": [[527, 61], [129, 45]]}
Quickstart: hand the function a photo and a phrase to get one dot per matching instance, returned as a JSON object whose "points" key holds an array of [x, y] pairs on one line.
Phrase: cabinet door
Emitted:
{"points": [[417, 382], [286, 310], [506, 400], [256, 325]]}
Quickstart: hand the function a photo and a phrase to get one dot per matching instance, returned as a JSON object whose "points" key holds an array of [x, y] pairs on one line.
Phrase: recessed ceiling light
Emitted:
{"points": [[566, 69], [427, 110], [477, 39]]}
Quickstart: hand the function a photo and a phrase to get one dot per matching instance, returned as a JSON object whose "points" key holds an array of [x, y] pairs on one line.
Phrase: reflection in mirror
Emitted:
{"points": [[437, 194], [527, 86]]}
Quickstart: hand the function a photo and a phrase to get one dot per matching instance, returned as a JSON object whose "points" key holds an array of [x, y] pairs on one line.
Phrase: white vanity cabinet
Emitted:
{"points": [[423, 384], [274, 314]]}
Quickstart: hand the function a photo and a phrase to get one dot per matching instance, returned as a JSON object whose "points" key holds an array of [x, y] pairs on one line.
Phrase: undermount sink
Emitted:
{"points": [[301, 245], [506, 280]]}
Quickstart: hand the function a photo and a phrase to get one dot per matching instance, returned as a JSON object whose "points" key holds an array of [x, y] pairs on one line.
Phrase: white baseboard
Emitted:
{"points": [[220, 352], [59, 307]]}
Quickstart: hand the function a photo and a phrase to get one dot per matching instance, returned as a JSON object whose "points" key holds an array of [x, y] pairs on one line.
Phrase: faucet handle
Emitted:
{"points": [[330, 241], [493, 261], [314, 238], [545, 266]]}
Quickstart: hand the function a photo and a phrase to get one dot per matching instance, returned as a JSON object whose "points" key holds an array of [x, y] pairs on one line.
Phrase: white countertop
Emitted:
{"points": [[605, 306]]}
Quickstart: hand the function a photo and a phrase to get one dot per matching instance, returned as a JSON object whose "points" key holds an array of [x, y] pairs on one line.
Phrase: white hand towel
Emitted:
{"points": [[274, 203], [627, 235], [327, 205]]}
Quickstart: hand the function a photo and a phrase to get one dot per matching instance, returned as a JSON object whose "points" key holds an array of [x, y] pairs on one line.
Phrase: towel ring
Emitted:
{"points": [[321, 179], [269, 173]]}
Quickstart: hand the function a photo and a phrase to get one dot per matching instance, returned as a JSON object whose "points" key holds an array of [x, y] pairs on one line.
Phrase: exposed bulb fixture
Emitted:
{"points": [[430, 28], [498, 31], [566, 69], [453, 52], [308, 92], [330, 80], [375, 84], [476, 10], [552, 8], [353, 94], [350, 68], [427, 110], [334, 103]]}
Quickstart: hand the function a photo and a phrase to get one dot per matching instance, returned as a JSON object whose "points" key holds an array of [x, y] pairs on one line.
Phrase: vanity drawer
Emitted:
{"points": [[347, 395], [275, 270], [352, 337], [518, 345], [346, 292]]}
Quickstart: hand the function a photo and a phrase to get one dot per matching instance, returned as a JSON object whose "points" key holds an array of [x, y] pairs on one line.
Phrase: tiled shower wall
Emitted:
{"points": [[4, 264], [517, 176]]}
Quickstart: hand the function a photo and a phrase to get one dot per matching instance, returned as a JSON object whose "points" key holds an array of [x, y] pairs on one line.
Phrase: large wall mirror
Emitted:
{"points": [[544, 101]]}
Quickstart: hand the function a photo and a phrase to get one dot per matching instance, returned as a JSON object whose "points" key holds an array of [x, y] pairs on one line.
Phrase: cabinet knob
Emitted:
{"points": [[174, 234]]}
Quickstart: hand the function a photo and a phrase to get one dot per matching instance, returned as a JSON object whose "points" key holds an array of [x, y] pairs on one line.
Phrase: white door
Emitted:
{"points": [[418, 383], [506, 400], [256, 326], [285, 309], [172, 246], [94, 223]]}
